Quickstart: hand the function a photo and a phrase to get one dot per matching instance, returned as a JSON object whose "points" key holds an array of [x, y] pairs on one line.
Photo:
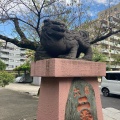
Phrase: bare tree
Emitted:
{"points": [[26, 18], [98, 31], [106, 27]]}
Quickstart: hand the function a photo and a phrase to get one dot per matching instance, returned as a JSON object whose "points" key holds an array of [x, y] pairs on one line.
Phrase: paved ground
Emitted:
{"points": [[17, 106], [112, 101], [24, 88], [111, 114]]}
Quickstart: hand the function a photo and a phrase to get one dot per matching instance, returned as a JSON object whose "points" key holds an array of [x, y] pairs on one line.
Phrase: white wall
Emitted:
{"points": [[36, 81]]}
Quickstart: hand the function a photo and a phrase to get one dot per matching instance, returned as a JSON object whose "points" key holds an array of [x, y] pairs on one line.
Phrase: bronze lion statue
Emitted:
{"points": [[59, 42]]}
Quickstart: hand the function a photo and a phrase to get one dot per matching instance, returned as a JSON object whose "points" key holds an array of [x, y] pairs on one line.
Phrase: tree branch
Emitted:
{"points": [[18, 29], [35, 6], [28, 45], [73, 19], [38, 22], [50, 3], [53, 15], [29, 8], [104, 37], [26, 22], [10, 18]]}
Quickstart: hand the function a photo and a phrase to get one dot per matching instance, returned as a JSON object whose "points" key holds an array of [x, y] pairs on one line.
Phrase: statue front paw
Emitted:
{"points": [[87, 58], [66, 56], [61, 56]]}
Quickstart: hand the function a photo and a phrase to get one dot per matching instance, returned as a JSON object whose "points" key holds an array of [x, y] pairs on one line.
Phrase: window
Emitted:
{"points": [[113, 76], [115, 9], [10, 48], [5, 53], [106, 76], [110, 18], [11, 60], [10, 66], [101, 15], [16, 48], [17, 55], [7, 65], [17, 60], [103, 25], [118, 15], [22, 60], [22, 55], [5, 59], [22, 49], [11, 54], [105, 12]]}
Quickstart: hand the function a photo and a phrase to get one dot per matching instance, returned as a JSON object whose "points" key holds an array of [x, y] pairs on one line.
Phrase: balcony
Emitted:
{"points": [[114, 39], [5, 61], [104, 22], [114, 52], [4, 55], [114, 25], [118, 34], [115, 45], [105, 51], [4, 50], [114, 66], [116, 19], [110, 51], [23, 52]]}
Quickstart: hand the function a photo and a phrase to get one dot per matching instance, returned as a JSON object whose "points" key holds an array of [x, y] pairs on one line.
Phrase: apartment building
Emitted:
{"points": [[12, 55], [107, 19], [111, 46]]}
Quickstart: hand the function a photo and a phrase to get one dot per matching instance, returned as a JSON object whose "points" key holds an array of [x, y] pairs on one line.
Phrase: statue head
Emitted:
{"points": [[54, 29]]}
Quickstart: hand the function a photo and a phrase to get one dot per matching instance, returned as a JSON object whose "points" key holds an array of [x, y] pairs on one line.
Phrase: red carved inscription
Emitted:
{"points": [[87, 92], [76, 92], [86, 115], [83, 106], [82, 100]]}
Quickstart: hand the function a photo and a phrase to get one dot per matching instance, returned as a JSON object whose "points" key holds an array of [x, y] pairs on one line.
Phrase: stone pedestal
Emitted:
{"points": [[69, 89]]}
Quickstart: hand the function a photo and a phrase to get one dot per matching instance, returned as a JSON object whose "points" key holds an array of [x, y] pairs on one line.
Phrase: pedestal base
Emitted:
{"points": [[54, 94], [69, 89]]}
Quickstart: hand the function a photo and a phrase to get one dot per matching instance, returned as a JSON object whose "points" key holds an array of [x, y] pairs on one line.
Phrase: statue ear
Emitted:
{"points": [[46, 20], [58, 23], [85, 34]]}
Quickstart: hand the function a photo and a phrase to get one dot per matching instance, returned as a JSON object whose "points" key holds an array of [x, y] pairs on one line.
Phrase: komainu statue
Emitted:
{"points": [[59, 42]]}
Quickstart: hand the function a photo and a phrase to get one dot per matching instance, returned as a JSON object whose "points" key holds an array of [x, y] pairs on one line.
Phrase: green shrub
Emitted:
{"points": [[2, 65], [23, 67], [5, 78], [98, 56]]}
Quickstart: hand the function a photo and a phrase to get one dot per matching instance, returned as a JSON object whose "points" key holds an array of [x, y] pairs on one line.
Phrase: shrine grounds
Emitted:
{"points": [[19, 102]]}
